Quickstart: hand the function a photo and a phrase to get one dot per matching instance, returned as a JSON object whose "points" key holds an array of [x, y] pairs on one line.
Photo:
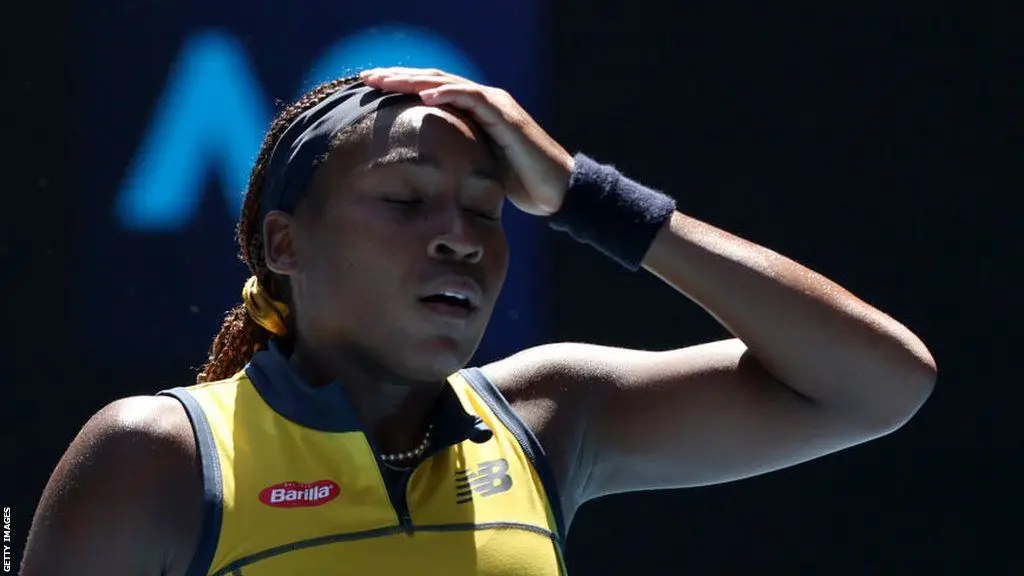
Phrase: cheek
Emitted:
{"points": [[354, 267], [497, 247]]}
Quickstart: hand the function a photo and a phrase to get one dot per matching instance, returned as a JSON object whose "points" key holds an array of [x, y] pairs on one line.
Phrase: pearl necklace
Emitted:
{"points": [[408, 454]]}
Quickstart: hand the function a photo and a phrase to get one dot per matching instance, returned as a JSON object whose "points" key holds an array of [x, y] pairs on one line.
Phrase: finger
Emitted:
{"points": [[474, 99], [408, 84], [396, 71], [409, 70]]}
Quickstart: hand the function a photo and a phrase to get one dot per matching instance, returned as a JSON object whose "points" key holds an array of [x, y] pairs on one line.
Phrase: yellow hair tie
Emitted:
{"points": [[266, 311]]}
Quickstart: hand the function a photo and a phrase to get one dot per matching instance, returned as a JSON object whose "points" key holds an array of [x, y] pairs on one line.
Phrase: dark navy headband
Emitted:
{"points": [[308, 139]]}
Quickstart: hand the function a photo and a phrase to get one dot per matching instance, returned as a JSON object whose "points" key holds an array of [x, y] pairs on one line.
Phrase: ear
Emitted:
{"points": [[279, 243]]}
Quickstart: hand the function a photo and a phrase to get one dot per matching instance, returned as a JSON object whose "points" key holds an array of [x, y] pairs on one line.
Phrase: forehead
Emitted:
{"points": [[413, 130], [412, 119], [428, 130], [449, 140]]}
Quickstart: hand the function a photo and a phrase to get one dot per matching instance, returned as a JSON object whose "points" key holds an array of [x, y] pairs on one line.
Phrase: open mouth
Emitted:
{"points": [[450, 303]]}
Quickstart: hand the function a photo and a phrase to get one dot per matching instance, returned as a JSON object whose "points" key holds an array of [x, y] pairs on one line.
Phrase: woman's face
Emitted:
{"points": [[399, 251]]}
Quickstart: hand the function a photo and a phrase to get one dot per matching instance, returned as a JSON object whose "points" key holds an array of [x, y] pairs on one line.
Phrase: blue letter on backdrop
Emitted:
{"points": [[214, 113], [211, 116]]}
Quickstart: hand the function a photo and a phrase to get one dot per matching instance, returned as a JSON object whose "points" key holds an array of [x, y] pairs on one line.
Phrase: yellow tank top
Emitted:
{"points": [[292, 484]]}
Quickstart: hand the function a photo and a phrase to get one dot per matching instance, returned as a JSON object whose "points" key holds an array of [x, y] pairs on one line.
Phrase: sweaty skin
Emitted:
{"points": [[812, 369]]}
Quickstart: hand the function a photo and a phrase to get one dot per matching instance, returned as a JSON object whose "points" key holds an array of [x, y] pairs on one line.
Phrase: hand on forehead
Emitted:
{"points": [[433, 135], [399, 124]]}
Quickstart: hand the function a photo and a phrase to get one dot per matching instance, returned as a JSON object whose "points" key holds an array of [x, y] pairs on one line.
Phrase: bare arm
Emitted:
{"points": [[807, 331], [813, 370], [126, 498]]}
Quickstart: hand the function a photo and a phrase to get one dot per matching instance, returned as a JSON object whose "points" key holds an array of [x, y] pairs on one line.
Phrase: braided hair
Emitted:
{"points": [[240, 336]]}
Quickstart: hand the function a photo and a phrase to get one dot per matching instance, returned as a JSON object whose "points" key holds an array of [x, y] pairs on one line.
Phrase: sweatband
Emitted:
{"points": [[612, 213], [308, 139]]}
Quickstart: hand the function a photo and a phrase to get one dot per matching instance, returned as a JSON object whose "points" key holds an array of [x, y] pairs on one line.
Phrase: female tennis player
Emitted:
{"points": [[335, 428]]}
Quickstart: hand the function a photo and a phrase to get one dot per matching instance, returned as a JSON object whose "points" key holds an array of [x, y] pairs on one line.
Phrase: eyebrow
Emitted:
{"points": [[404, 156]]}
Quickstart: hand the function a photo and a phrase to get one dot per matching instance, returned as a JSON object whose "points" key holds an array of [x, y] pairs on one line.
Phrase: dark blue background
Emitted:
{"points": [[157, 297], [857, 139]]}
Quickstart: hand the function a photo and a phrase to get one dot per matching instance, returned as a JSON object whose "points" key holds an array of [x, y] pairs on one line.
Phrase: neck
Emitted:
{"points": [[393, 409]]}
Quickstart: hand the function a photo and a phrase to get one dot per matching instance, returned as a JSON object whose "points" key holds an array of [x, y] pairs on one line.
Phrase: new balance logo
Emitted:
{"points": [[489, 479]]}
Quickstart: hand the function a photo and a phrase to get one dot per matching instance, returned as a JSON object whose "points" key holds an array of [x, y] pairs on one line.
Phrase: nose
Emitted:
{"points": [[456, 242]]}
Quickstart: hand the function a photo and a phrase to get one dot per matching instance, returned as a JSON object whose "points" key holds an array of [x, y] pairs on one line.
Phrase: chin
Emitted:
{"points": [[437, 359]]}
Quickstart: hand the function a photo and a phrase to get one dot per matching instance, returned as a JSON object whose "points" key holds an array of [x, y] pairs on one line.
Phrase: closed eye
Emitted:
{"points": [[484, 215], [415, 202], [401, 202]]}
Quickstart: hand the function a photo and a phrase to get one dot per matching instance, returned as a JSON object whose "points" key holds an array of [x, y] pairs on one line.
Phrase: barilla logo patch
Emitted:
{"points": [[299, 495]]}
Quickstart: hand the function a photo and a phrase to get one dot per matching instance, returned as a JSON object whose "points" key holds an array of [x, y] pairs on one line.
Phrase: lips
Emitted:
{"points": [[452, 296]]}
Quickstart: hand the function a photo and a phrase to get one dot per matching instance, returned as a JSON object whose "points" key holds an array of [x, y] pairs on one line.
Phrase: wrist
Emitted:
{"points": [[612, 213], [567, 163], [554, 198]]}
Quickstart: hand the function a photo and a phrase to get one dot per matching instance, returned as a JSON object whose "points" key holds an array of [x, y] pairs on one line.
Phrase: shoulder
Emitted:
{"points": [[156, 417], [562, 379], [555, 370], [160, 420], [552, 388], [133, 468], [145, 429]]}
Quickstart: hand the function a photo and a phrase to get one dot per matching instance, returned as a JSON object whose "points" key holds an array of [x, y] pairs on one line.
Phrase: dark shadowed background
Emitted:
{"points": [[849, 137]]}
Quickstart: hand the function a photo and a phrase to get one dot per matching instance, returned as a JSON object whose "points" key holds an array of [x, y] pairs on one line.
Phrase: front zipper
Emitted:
{"points": [[395, 485], [399, 496], [402, 506]]}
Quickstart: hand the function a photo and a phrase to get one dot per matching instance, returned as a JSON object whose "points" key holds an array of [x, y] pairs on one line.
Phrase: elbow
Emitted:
{"points": [[906, 380], [918, 393], [904, 396], [919, 380]]}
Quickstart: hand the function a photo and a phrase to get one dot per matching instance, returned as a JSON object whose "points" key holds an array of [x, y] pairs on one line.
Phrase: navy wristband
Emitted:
{"points": [[610, 212]]}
